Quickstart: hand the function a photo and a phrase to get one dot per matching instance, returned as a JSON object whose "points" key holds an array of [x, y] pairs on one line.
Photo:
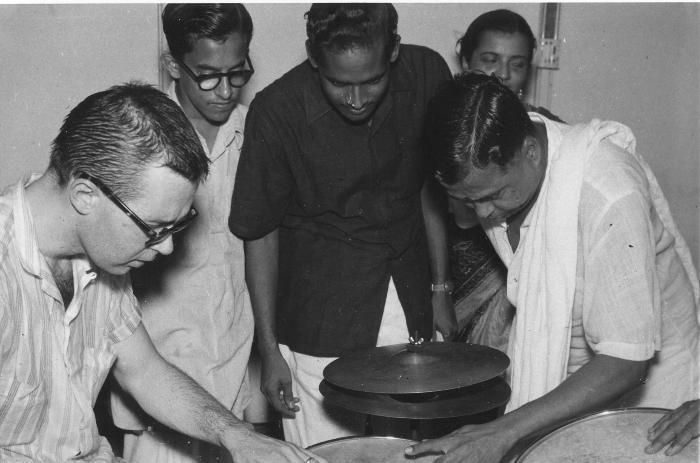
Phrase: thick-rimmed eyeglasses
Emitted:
{"points": [[207, 82], [154, 236]]}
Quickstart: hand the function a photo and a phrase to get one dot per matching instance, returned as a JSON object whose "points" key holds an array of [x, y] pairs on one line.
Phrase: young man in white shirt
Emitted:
{"points": [[195, 302]]}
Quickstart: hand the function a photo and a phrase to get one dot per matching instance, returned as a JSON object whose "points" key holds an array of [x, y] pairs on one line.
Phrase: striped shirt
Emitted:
{"points": [[54, 359]]}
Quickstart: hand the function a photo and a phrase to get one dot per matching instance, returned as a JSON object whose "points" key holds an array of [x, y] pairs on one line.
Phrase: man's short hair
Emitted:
{"points": [[185, 23], [114, 135], [472, 122], [338, 27]]}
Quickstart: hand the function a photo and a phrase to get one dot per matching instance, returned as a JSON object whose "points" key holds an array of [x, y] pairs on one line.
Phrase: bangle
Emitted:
{"points": [[446, 286]]}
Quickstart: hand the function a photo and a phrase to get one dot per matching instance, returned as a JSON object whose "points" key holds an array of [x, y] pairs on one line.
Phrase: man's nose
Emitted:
{"points": [[165, 247], [357, 96], [224, 89], [483, 209]]}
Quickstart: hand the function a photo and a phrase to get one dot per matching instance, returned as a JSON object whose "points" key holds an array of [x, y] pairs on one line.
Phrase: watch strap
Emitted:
{"points": [[446, 286]]}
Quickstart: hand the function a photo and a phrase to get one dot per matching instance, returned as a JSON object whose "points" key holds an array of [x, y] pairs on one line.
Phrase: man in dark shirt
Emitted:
{"points": [[331, 198]]}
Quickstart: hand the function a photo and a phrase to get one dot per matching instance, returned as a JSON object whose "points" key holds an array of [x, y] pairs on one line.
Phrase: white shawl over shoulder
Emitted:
{"points": [[541, 333]]}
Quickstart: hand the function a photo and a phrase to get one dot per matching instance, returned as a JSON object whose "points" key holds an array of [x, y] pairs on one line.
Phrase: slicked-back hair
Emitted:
{"points": [[497, 20], [185, 23], [116, 134], [474, 121], [339, 27]]}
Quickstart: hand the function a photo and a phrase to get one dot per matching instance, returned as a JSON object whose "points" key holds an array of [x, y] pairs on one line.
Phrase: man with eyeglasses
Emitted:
{"points": [[195, 302], [121, 180]]}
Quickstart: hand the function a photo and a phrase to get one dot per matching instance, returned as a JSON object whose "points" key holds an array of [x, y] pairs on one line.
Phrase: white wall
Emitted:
{"points": [[636, 63], [52, 57]]}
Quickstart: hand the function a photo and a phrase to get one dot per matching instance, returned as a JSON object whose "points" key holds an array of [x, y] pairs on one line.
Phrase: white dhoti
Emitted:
{"points": [[315, 421]]}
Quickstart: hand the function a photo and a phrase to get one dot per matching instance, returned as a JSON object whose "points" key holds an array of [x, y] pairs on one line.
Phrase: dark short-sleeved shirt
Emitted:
{"points": [[346, 200]]}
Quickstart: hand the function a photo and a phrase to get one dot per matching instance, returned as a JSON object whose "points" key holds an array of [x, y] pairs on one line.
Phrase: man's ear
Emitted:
{"points": [[170, 65], [310, 55], [532, 149], [83, 195], [395, 52]]}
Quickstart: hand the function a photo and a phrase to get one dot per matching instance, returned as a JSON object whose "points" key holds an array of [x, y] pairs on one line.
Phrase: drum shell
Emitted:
{"points": [[368, 449], [617, 435]]}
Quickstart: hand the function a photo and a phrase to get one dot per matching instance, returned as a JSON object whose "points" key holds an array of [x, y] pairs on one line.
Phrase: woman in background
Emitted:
{"points": [[499, 42]]}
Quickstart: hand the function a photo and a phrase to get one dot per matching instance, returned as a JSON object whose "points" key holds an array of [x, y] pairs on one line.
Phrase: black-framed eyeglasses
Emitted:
{"points": [[207, 82], [154, 236]]}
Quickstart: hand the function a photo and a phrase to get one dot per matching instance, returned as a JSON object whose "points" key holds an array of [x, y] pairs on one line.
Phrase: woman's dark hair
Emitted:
{"points": [[185, 23], [474, 121], [496, 20], [340, 27]]}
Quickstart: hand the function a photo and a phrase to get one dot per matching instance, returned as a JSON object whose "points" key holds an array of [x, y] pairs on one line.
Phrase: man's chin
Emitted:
{"points": [[218, 119], [218, 115], [496, 220], [356, 118], [122, 269]]}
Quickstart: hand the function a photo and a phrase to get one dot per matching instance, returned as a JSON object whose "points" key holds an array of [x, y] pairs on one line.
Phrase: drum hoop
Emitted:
{"points": [[347, 438], [584, 418]]}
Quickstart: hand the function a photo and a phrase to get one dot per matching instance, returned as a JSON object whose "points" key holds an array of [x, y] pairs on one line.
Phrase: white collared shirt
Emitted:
{"points": [[633, 299]]}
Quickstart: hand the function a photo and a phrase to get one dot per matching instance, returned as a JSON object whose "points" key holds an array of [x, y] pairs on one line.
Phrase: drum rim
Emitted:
{"points": [[338, 439], [588, 417]]}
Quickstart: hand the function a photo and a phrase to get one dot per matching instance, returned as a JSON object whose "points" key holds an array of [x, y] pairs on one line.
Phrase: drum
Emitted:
{"points": [[611, 436], [367, 449]]}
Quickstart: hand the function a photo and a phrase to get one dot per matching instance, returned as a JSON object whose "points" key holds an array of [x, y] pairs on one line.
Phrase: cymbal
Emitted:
{"points": [[416, 368], [465, 401]]}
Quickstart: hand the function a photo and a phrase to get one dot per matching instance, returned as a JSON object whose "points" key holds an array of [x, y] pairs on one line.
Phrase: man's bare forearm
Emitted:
{"points": [[174, 399], [591, 388], [170, 396], [434, 217], [262, 269]]}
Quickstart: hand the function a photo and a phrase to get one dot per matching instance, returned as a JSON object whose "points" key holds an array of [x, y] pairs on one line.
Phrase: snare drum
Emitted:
{"points": [[611, 436], [367, 449]]}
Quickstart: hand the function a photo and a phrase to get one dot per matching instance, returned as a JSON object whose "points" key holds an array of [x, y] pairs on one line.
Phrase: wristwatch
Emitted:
{"points": [[446, 286]]}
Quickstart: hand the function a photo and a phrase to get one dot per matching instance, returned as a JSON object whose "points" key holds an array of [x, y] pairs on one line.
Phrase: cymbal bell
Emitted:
{"points": [[416, 368], [454, 403]]}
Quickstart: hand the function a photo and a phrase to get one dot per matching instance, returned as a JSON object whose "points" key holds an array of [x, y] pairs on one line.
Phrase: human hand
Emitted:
{"points": [[677, 428], [483, 443], [246, 446], [444, 318], [276, 384]]}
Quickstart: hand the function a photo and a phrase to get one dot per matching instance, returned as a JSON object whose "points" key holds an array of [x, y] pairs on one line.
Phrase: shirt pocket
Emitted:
{"points": [[23, 409]]}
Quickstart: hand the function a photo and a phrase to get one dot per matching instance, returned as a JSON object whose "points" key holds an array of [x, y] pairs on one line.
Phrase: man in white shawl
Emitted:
{"points": [[605, 292]]}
